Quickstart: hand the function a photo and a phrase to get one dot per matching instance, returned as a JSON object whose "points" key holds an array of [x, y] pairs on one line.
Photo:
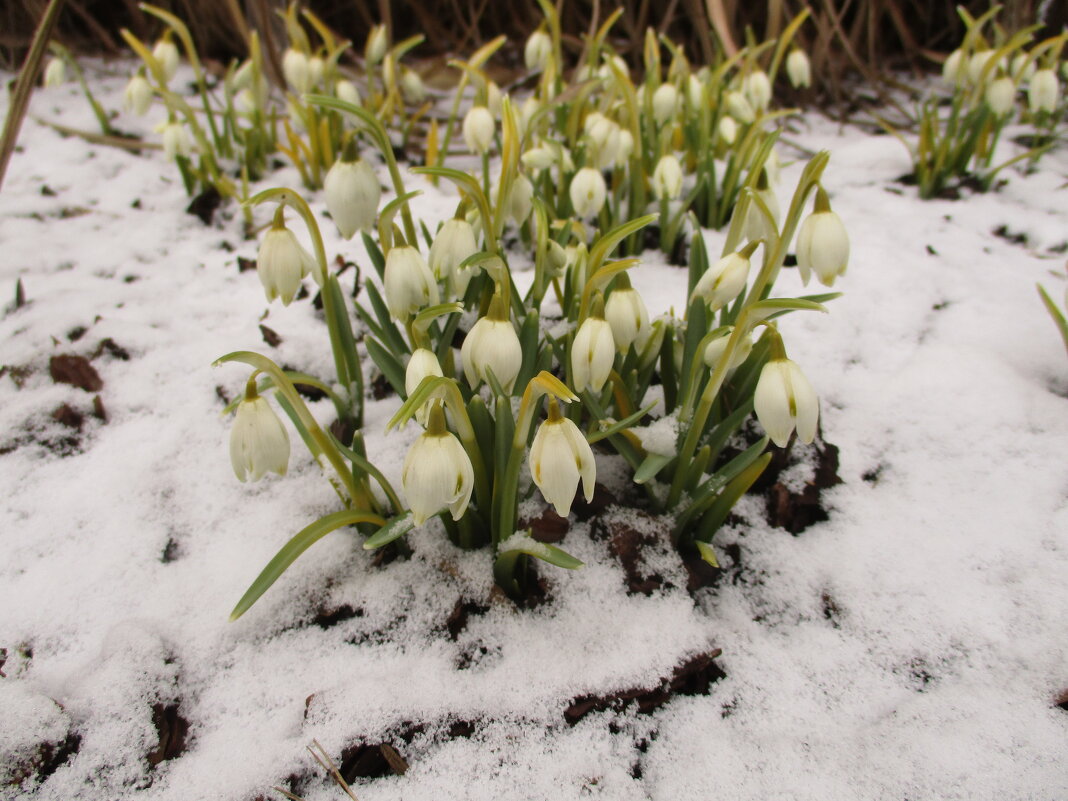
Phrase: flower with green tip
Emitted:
{"points": [[559, 457], [352, 193], [724, 280], [258, 441], [492, 345], [1042, 91], [437, 472], [282, 262], [784, 400], [588, 192], [798, 69], [592, 354], [478, 128], [822, 243], [408, 283]]}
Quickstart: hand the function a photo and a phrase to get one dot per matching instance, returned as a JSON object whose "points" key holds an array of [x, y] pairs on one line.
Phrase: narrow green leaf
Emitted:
{"points": [[521, 543], [389, 365], [392, 529], [652, 465], [374, 253], [717, 513], [617, 427]]}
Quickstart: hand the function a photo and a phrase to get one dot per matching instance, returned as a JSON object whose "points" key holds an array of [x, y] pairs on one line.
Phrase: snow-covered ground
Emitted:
{"points": [[913, 646]]}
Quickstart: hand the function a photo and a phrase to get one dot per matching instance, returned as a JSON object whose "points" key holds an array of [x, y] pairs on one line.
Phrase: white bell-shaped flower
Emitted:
{"points": [[977, 66], [258, 441], [822, 243], [784, 399], [55, 72], [757, 225], [408, 283], [667, 178], [1043, 91], [282, 262], [352, 194], [423, 363], [346, 90], [695, 95], [538, 50], [137, 97], [715, 349], [798, 69], [297, 70], [559, 457], [627, 315], [455, 241], [665, 103], [521, 199], [724, 280], [166, 53], [588, 192], [478, 129], [375, 49], [437, 472], [740, 108], [757, 89], [954, 68], [494, 99], [1023, 67], [1001, 95], [316, 69], [492, 345], [728, 129], [176, 141], [412, 86], [592, 354]]}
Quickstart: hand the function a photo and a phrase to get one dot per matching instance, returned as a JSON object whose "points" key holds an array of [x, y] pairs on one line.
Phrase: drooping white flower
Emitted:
{"points": [[258, 441], [166, 53], [667, 178], [740, 108], [822, 244], [695, 95], [784, 399], [492, 344], [627, 316], [478, 129], [375, 48], [757, 89], [352, 193], [316, 68], [282, 263], [538, 158], [412, 86], [423, 363], [408, 283], [588, 192], [977, 66], [722, 282], [728, 129], [626, 146], [798, 69], [537, 51], [521, 199], [665, 103], [715, 349], [1000, 95], [1023, 68], [137, 96], [1043, 91], [559, 457], [437, 473], [592, 354], [297, 70], [346, 90], [954, 68], [176, 141], [757, 225], [55, 73], [455, 241]]}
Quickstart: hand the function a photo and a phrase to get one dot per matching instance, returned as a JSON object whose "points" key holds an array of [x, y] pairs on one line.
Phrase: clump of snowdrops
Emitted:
{"points": [[993, 79], [571, 175]]}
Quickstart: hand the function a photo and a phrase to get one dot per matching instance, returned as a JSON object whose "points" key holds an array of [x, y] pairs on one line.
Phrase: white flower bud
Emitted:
{"points": [[316, 68], [559, 457], [55, 73], [137, 97], [166, 53], [628, 318], [258, 441], [717, 347], [695, 95], [478, 129], [977, 64], [665, 103], [739, 108], [453, 243], [297, 71], [282, 263], [375, 49], [412, 86], [626, 146], [423, 363], [722, 282], [757, 226], [352, 192], [538, 51], [757, 89], [728, 129], [408, 283], [346, 90], [784, 399], [437, 474], [527, 111], [521, 199], [1000, 95], [954, 69], [592, 354], [798, 69], [667, 178], [1043, 91], [588, 192], [491, 344], [822, 246], [494, 99], [176, 141], [538, 158], [1023, 68]]}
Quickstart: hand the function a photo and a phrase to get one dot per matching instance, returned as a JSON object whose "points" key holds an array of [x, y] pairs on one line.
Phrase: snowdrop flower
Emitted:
{"points": [[409, 285], [538, 50], [757, 89], [626, 145], [695, 96], [453, 243], [166, 53], [376, 44], [316, 68], [667, 178], [977, 63], [423, 363], [521, 199], [494, 99], [559, 457], [665, 103], [437, 472], [592, 354], [626, 315], [954, 68], [1000, 95], [728, 129], [538, 158], [258, 441], [1043, 91], [757, 225], [297, 70], [352, 193], [588, 192], [175, 141], [282, 262], [346, 90], [492, 344], [478, 129], [412, 86], [1023, 68], [739, 108], [784, 399], [55, 73], [137, 96], [722, 282], [717, 347], [798, 69], [822, 243]]}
